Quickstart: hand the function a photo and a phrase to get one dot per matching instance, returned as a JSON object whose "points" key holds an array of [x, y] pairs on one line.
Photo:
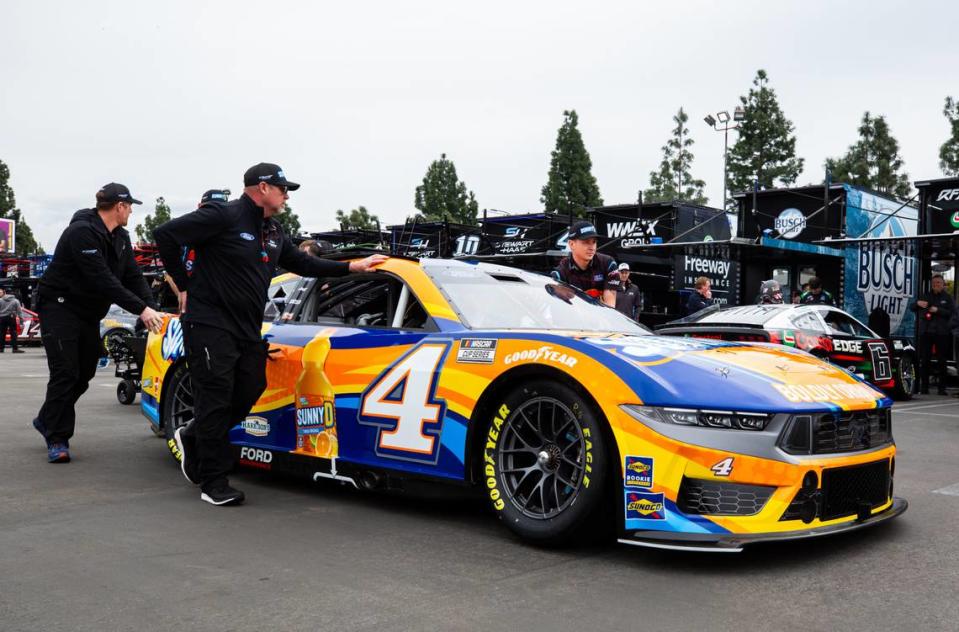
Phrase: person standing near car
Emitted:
{"points": [[586, 269], [701, 298], [815, 295], [10, 311], [238, 245], [629, 300], [934, 311], [93, 267]]}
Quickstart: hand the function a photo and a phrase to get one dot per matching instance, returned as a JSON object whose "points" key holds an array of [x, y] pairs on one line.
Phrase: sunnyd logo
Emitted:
{"points": [[790, 223], [172, 346]]}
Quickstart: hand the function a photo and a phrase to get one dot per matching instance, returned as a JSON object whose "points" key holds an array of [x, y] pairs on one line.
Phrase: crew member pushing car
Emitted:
{"points": [[238, 246], [93, 266], [586, 269]]}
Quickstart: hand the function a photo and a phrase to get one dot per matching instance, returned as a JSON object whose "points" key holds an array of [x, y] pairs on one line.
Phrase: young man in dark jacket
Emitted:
{"points": [[238, 246], [934, 312], [93, 266]]}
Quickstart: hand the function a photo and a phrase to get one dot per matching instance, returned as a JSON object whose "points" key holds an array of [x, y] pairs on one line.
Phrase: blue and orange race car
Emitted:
{"points": [[559, 409]]}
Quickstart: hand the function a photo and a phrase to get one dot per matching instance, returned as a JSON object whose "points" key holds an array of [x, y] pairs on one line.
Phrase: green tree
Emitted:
{"points": [[949, 152], [673, 181], [26, 243], [289, 220], [571, 186], [357, 219], [873, 161], [766, 148], [161, 215], [442, 196]]}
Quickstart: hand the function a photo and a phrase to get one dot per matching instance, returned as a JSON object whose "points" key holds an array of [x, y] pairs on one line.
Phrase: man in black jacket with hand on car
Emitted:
{"points": [[93, 266], [238, 246]]}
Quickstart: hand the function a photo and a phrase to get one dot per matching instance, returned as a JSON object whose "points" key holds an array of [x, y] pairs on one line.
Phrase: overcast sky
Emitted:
{"points": [[355, 99]]}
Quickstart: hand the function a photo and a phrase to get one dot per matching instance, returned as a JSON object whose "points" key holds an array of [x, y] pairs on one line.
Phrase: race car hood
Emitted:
{"points": [[694, 373]]}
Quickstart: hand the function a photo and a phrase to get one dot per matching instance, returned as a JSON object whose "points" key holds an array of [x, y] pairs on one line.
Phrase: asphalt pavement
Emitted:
{"points": [[117, 540]]}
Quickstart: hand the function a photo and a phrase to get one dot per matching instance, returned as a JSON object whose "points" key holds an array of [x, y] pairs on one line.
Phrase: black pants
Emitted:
{"points": [[943, 344], [73, 350], [8, 323], [228, 376]]}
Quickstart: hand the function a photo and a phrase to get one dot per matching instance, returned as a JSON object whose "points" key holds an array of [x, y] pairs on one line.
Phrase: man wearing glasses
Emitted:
{"points": [[238, 246], [93, 266]]}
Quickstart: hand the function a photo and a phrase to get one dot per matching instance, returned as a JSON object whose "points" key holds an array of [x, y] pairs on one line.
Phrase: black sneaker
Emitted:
{"points": [[223, 494], [186, 454]]}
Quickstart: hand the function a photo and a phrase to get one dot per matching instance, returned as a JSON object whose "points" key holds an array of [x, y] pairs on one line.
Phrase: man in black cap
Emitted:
{"points": [[93, 266], [238, 246], [590, 271], [816, 295]]}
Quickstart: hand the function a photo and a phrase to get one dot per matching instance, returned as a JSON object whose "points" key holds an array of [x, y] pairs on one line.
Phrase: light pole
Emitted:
{"points": [[722, 125]]}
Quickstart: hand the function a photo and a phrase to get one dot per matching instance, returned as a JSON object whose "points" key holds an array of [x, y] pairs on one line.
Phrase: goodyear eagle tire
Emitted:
{"points": [[177, 401], [545, 462]]}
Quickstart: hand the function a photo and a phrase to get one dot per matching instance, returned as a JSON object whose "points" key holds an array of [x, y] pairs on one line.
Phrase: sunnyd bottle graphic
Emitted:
{"points": [[315, 421]]}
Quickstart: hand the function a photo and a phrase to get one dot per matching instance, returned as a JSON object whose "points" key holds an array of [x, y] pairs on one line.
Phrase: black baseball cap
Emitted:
{"points": [[582, 230], [113, 193], [269, 173], [215, 195]]}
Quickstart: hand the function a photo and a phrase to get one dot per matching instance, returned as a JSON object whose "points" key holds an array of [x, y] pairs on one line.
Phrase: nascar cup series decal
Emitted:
{"points": [[476, 351], [639, 471], [644, 506]]}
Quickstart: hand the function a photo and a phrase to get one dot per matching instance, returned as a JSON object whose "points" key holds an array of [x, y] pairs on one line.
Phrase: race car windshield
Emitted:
{"points": [[497, 297]]}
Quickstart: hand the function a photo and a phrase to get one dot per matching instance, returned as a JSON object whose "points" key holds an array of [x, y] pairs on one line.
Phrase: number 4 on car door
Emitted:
{"points": [[401, 402]]}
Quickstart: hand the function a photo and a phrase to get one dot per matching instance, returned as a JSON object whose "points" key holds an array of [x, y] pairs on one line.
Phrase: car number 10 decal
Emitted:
{"points": [[401, 402]]}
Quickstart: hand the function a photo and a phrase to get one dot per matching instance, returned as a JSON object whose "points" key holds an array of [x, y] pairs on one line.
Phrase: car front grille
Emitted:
{"points": [[829, 433], [697, 496], [845, 491]]}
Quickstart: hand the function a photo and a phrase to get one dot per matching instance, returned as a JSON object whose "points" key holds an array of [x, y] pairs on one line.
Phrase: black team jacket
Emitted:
{"points": [[93, 268], [237, 252]]}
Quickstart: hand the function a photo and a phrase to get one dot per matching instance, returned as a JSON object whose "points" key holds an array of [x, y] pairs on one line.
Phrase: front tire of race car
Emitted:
{"points": [[545, 462], [907, 377], [177, 400]]}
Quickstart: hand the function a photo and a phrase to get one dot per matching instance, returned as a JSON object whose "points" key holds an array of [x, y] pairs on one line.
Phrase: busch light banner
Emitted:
{"points": [[713, 263], [881, 274]]}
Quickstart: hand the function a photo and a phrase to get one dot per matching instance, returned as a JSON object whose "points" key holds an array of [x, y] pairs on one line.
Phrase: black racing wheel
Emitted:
{"points": [[906, 377], [177, 401], [126, 392], [545, 462]]}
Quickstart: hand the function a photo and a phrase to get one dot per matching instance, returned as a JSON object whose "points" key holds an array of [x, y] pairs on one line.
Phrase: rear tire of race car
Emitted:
{"points": [[545, 464], [906, 377], [126, 392], [177, 400]]}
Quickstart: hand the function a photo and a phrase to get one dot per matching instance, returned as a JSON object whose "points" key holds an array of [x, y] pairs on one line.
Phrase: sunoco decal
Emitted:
{"points": [[825, 392], [645, 506], [639, 471], [476, 351]]}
